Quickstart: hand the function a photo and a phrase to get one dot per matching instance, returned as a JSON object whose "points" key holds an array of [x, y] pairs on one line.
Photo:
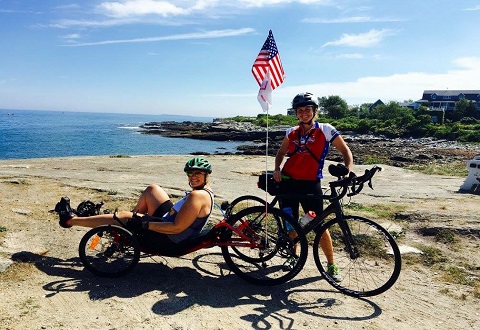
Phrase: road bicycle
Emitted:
{"points": [[253, 244], [365, 252]]}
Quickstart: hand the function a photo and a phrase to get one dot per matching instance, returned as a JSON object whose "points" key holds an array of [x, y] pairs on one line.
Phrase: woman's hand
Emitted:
{"points": [[277, 176]]}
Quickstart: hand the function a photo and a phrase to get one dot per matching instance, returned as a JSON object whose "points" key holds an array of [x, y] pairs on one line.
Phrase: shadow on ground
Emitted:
{"points": [[183, 287]]}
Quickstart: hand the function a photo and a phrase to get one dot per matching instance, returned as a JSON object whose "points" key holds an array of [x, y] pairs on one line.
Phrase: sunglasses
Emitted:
{"points": [[190, 174]]}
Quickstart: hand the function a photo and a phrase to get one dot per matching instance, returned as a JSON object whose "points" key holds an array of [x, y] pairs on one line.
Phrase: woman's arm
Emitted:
{"points": [[282, 151], [196, 205], [342, 147]]}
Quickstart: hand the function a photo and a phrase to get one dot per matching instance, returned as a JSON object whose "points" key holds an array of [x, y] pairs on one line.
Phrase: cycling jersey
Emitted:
{"points": [[306, 153]]}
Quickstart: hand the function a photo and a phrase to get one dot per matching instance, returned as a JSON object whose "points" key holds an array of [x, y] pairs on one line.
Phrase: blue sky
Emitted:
{"points": [[195, 57]]}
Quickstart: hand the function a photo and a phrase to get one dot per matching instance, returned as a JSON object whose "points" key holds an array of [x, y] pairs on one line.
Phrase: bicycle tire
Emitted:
{"points": [[245, 201], [265, 266], [241, 203], [376, 266], [109, 251]]}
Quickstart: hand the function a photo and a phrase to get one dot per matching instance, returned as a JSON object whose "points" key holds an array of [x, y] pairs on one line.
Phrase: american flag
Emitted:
{"points": [[269, 59]]}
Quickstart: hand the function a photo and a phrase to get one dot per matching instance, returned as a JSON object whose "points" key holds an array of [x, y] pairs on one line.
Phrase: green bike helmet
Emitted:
{"points": [[198, 164]]}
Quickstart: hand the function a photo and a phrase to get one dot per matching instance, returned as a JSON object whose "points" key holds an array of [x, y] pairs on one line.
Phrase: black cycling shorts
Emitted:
{"points": [[156, 241]]}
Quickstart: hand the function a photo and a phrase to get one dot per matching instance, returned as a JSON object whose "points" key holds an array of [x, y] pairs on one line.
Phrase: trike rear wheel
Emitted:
{"points": [[109, 251], [280, 255], [372, 264]]}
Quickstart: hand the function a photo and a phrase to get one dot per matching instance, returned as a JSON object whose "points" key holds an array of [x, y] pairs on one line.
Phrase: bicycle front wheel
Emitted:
{"points": [[245, 201], [367, 256], [281, 255], [109, 251]]}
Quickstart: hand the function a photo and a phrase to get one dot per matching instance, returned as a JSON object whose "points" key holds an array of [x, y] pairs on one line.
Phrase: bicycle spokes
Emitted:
{"points": [[265, 264], [366, 255]]}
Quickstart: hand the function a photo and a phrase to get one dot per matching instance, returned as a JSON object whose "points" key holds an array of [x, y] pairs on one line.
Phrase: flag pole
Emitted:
{"points": [[266, 165], [269, 74]]}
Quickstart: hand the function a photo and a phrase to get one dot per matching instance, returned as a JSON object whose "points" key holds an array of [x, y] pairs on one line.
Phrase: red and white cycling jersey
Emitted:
{"points": [[306, 153]]}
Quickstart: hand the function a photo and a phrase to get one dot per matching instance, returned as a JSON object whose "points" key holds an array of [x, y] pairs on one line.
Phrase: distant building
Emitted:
{"points": [[411, 105], [376, 104], [446, 99]]}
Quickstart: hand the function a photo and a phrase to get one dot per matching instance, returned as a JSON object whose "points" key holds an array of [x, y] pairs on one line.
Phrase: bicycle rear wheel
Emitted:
{"points": [[372, 265], [279, 258], [109, 251]]}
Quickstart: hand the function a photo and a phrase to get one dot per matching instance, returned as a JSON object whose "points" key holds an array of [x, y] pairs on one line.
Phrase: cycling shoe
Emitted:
{"points": [[65, 212]]}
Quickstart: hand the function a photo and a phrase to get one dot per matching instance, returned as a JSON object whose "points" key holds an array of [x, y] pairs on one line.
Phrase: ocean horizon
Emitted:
{"points": [[45, 134]]}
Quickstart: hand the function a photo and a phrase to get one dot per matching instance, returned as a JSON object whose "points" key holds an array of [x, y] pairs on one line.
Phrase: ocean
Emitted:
{"points": [[41, 134]]}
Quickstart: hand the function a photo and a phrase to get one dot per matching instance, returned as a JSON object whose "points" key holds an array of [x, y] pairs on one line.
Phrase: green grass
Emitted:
{"points": [[458, 275], [449, 272], [374, 160], [446, 236], [382, 211], [432, 255], [452, 169]]}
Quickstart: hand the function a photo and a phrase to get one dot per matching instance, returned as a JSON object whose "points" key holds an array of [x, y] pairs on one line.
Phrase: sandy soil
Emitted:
{"points": [[44, 286]]}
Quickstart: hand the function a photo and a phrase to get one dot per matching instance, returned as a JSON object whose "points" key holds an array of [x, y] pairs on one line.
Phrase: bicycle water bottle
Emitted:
{"points": [[309, 216], [289, 211]]}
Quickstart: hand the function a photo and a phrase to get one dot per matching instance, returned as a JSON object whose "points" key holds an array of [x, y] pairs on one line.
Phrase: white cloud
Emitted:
{"points": [[397, 87], [71, 36], [186, 36], [129, 8], [477, 7], [367, 39], [69, 6], [351, 19], [263, 3], [141, 7], [66, 23]]}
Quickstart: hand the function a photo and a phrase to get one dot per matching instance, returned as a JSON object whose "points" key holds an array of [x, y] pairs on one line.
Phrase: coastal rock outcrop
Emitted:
{"points": [[365, 148], [216, 131]]}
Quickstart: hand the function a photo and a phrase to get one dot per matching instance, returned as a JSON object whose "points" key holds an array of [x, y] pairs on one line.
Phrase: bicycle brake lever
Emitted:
{"points": [[370, 184]]}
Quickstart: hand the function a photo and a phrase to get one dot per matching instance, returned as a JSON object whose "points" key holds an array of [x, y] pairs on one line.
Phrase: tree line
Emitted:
{"points": [[390, 120]]}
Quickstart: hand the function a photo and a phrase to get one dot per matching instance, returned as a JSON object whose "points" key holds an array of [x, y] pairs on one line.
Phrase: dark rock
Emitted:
{"points": [[223, 131], [401, 159], [366, 149], [422, 156]]}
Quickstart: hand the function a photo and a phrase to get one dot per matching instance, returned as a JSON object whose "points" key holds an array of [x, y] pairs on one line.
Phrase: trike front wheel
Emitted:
{"points": [[109, 251], [367, 256], [261, 250]]}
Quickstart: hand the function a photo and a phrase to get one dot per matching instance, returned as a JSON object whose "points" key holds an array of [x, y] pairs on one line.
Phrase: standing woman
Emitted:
{"points": [[306, 146]]}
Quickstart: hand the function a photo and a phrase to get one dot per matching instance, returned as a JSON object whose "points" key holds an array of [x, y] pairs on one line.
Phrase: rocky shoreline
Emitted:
{"points": [[365, 148]]}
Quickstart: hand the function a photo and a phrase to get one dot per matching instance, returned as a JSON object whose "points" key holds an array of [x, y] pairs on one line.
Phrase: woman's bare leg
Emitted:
{"points": [[98, 220], [150, 199], [327, 246]]}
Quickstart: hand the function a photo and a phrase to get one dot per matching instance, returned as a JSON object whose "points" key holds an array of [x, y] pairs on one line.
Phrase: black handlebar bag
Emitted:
{"points": [[267, 183]]}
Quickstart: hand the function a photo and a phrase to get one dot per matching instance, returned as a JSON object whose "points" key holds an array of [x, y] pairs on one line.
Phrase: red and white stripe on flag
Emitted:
{"points": [[269, 60]]}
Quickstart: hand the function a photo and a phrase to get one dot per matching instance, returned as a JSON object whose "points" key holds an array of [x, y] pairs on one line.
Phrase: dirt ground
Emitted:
{"points": [[44, 286]]}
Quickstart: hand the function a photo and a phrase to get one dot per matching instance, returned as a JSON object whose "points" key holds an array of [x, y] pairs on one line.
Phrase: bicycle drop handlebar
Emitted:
{"points": [[352, 180]]}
